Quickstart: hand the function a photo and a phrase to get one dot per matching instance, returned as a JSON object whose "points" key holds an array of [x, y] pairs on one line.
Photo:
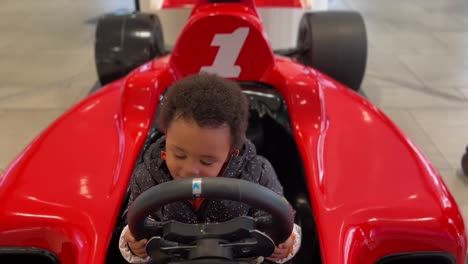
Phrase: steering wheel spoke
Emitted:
{"points": [[233, 230], [153, 228], [259, 245], [162, 250]]}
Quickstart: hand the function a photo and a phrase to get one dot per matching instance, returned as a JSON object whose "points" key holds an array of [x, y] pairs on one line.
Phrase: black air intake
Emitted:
{"points": [[13, 255]]}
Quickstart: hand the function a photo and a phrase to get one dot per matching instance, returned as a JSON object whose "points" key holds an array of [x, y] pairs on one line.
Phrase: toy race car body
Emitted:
{"points": [[362, 192]]}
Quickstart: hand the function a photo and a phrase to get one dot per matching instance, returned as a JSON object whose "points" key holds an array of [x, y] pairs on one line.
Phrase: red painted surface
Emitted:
{"points": [[64, 191], [194, 43], [258, 3], [373, 192]]}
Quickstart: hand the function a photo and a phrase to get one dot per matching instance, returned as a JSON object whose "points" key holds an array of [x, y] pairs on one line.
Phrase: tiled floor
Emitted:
{"points": [[417, 70]]}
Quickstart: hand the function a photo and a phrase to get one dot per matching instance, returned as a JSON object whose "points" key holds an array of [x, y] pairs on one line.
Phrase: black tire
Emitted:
{"points": [[335, 43], [464, 163], [124, 42], [137, 5]]}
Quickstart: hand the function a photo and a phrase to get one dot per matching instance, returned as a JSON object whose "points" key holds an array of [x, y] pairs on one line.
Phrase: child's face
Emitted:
{"points": [[194, 151]]}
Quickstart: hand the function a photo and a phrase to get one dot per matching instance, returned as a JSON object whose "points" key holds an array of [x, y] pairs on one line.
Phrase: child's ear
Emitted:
{"points": [[163, 155], [235, 152]]}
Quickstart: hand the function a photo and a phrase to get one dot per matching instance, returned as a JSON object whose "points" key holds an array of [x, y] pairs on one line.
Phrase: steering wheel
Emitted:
{"points": [[229, 242]]}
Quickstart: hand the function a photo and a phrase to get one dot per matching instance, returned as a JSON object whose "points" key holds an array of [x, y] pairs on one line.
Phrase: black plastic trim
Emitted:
{"points": [[32, 251], [253, 84], [429, 257]]}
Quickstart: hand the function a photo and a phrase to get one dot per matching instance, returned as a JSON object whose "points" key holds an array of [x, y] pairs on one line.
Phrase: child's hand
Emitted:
{"points": [[282, 250], [137, 247]]}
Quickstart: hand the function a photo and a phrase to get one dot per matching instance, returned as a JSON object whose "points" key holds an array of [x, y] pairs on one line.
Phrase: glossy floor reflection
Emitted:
{"points": [[417, 70]]}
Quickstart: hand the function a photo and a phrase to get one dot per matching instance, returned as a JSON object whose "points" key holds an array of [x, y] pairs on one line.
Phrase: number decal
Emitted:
{"points": [[230, 45]]}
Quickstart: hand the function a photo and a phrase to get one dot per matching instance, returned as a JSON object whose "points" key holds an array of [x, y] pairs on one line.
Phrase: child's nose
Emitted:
{"points": [[195, 173], [194, 169]]}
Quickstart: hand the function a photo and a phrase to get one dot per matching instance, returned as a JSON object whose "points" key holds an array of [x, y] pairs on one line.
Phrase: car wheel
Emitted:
{"points": [[464, 162], [335, 43], [124, 42], [137, 5]]}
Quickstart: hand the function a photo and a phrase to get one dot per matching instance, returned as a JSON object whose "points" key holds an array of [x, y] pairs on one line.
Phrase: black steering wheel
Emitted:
{"points": [[233, 241]]}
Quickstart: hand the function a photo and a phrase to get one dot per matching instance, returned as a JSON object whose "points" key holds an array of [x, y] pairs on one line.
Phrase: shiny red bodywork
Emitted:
{"points": [[373, 192], [258, 3]]}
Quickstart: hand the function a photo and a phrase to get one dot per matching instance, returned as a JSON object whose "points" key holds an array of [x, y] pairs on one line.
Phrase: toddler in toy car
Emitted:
{"points": [[204, 119]]}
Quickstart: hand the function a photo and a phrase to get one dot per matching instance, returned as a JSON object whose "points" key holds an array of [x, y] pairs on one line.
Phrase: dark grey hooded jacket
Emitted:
{"points": [[247, 166]]}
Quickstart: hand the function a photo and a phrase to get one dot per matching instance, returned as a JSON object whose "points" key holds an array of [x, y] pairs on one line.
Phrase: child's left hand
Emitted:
{"points": [[282, 250]]}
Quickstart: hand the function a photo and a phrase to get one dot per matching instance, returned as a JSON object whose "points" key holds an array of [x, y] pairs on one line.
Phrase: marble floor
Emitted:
{"points": [[417, 70]]}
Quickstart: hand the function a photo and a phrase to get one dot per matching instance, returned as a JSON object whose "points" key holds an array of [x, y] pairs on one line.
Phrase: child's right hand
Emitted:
{"points": [[138, 248]]}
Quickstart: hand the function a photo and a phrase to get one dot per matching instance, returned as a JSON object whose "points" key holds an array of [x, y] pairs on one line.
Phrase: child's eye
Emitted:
{"points": [[181, 157], [206, 163]]}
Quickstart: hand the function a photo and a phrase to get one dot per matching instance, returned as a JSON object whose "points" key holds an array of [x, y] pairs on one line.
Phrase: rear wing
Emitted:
{"points": [[153, 5], [280, 17]]}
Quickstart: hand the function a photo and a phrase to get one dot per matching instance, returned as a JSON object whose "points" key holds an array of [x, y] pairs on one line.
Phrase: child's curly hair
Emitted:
{"points": [[209, 100]]}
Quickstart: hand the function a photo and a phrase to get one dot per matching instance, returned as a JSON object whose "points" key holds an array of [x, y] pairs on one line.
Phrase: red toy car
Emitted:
{"points": [[363, 193]]}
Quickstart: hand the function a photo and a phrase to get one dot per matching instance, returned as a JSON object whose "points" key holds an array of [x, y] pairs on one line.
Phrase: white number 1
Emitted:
{"points": [[230, 45]]}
